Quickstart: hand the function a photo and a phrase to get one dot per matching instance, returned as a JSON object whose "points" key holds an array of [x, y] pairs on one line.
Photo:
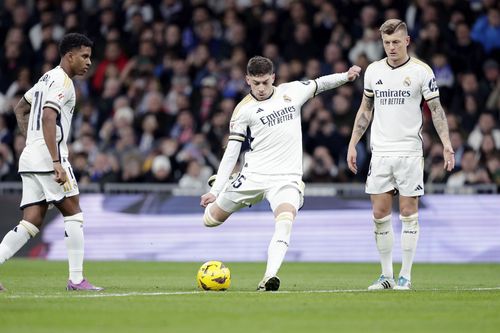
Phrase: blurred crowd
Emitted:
{"points": [[167, 74]]}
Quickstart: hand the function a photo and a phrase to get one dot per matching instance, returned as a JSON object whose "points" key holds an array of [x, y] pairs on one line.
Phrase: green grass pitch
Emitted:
{"points": [[314, 297]]}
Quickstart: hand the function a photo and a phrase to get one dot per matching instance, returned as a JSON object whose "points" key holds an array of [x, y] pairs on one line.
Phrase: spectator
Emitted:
{"points": [[486, 125], [161, 171], [466, 54], [470, 174], [370, 45], [486, 30], [196, 176]]}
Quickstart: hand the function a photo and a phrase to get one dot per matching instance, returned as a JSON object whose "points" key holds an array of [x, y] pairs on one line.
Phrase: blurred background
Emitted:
{"points": [[152, 114]]}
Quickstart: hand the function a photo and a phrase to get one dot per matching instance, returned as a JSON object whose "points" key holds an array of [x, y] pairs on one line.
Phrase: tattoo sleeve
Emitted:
{"points": [[362, 121], [22, 111], [439, 120]]}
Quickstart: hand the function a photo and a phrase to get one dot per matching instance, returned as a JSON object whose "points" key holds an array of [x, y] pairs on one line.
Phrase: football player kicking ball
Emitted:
{"points": [[272, 168], [395, 86], [44, 116]]}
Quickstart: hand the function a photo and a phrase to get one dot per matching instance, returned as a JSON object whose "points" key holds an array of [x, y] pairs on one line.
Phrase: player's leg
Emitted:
{"points": [[232, 198], [409, 239], [284, 202], [27, 228], [214, 215], [74, 239], [73, 230], [34, 209], [384, 238], [409, 174], [380, 186]]}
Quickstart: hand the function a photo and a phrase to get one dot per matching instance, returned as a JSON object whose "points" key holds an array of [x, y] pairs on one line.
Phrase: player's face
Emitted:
{"points": [[395, 46], [261, 86], [80, 60]]}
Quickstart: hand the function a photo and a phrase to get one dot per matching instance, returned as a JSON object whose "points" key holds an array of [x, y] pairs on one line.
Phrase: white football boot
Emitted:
{"points": [[382, 283], [403, 284]]}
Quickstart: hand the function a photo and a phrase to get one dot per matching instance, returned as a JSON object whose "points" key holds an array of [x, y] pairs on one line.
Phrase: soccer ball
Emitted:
{"points": [[213, 275]]}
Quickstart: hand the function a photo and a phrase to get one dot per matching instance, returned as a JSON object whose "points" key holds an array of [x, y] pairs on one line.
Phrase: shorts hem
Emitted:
{"points": [[381, 192], [32, 204]]}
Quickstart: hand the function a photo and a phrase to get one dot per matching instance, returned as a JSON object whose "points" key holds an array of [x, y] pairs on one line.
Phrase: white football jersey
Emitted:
{"points": [[273, 128], [398, 92], [54, 90]]}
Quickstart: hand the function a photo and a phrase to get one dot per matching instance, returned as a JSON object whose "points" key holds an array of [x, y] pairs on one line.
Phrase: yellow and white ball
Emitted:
{"points": [[213, 275]]}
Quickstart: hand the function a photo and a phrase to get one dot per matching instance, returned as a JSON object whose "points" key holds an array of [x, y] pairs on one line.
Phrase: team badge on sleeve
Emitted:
{"points": [[433, 85]]}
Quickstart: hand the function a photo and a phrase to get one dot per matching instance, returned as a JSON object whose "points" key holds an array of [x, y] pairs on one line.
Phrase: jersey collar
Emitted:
{"points": [[262, 100], [396, 67]]}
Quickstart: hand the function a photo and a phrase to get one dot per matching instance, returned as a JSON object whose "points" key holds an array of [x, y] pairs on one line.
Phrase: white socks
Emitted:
{"points": [[73, 229], [384, 238], [279, 243], [15, 239], [409, 239]]}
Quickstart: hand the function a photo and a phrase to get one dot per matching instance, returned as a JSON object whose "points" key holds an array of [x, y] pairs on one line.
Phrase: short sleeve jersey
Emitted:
{"points": [[398, 92], [53, 90], [273, 129]]}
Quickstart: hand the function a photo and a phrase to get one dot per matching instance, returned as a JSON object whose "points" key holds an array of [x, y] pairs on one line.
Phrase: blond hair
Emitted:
{"points": [[391, 26]]}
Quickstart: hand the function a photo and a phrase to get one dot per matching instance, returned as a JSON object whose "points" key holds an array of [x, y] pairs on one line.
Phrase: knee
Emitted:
{"points": [[410, 222], [407, 210], [381, 214], [212, 219]]}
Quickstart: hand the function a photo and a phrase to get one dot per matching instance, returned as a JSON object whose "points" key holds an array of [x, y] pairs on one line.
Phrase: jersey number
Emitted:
{"points": [[238, 181], [38, 109]]}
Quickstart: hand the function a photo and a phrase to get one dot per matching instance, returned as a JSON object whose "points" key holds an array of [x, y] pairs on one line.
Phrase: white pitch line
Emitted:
{"points": [[174, 293]]}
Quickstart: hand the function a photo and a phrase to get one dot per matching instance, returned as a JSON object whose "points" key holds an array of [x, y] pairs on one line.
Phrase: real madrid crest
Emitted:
{"points": [[407, 82], [287, 98]]}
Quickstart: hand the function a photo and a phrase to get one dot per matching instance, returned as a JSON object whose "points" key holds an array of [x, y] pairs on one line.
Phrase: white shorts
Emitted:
{"points": [[402, 173], [249, 189], [39, 188]]}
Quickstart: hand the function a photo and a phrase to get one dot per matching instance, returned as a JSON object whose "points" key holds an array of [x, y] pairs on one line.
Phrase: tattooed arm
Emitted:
{"points": [[22, 111], [441, 124], [363, 118]]}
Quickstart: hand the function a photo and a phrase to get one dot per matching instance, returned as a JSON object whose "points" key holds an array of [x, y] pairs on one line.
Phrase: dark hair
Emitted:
{"points": [[258, 66], [392, 25], [73, 41]]}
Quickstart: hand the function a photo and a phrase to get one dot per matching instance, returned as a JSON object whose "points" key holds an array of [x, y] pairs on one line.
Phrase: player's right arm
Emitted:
{"points": [[22, 111], [361, 123]]}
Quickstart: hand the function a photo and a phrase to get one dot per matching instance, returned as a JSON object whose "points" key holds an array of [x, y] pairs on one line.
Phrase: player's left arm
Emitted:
{"points": [[22, 111], [332, 81], [441, 124]]}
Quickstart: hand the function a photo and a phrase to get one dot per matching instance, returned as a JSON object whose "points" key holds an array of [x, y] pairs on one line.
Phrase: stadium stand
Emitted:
{"points": [[167, 74]]}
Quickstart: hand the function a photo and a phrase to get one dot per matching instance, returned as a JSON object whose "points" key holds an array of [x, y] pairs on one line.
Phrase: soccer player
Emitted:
{"points": [[44, 116], [269, 118], [394, 88]]}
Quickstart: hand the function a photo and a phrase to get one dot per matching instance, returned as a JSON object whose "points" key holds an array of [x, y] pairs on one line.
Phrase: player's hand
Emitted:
{"points": [[351, 159], [206, 199], [353, 73], [449, 158], [59, 173]]}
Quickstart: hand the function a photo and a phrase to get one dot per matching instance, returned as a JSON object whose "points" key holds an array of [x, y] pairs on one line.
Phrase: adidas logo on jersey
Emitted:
{"points": [[379, 82], [259, 110]]}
